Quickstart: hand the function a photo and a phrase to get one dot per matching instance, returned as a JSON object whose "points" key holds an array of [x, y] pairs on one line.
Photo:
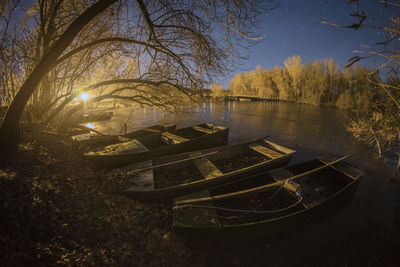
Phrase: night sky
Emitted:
{"points": [[294, 28]]}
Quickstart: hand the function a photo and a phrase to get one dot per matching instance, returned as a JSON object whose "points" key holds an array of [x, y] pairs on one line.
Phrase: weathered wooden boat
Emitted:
{"points": [[72, 131], [268, 202], [93, 138], [168, 177], [96, 116], [159, 144]]}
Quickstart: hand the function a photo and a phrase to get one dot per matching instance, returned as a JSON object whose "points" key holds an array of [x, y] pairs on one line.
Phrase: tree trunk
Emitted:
{"points": [[18, 104]]}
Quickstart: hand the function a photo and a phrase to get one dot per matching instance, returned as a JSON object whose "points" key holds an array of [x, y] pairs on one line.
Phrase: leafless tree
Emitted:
{"points": [[150, 47]]}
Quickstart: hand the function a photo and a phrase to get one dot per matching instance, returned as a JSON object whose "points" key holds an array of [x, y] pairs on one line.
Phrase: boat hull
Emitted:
{"points": [[270, 227], [170, 193], [216, 153]]}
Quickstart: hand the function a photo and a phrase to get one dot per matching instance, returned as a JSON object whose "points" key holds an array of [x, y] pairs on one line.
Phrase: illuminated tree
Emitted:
{"points": [[293, 67], [173, 44], [217, 90], [281, 79]]}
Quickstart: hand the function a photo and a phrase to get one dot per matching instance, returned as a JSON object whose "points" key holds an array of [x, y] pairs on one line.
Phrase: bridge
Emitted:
{"points": [[252, 98]]}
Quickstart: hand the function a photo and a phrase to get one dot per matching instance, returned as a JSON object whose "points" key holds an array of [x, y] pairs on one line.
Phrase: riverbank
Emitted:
{"points": [[56, 209]]}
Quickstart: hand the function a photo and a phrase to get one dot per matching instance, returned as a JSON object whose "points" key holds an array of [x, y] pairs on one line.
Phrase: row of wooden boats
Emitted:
{"points": [[222, 189], [157, 144]]}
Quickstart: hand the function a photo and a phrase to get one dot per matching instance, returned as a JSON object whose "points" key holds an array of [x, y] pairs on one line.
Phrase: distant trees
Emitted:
{"points": [[217, 90], [317, 82], [293, 69]]}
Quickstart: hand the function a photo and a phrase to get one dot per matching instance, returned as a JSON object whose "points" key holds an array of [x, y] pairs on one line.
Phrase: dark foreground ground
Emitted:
{"points": [[56, 210]]}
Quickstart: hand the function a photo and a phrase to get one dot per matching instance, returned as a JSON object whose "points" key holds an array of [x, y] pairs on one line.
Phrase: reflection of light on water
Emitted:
{"points": [[89, 125]]}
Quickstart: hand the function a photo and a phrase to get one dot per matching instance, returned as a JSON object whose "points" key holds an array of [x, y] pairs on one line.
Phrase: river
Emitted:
{"points": [[364, 232]]}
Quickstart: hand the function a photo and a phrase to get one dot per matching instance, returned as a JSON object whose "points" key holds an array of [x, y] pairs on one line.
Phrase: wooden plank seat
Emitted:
{"points": [[207, 168], [204, 130], [171, 138], [207, 217], [284, 174], [266, 151], [168, 126], [342, 166], [123, 138]]}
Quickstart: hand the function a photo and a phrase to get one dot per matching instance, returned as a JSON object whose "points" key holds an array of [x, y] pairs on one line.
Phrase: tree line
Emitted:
{"points": [[320, 82]]}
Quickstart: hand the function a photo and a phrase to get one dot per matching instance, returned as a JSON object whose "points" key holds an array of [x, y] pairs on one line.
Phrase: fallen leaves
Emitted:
{"points": [[56, 210]]}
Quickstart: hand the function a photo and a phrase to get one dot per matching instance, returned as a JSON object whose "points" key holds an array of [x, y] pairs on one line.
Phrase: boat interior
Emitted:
{"points": [[238, 206], [151, 130], [213, 165], [177, 136], [158, 140]]}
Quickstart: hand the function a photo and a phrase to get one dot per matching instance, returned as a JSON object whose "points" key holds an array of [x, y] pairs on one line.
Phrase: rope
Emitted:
{"points": [[240, 210], [268, 199], [131, 172]]}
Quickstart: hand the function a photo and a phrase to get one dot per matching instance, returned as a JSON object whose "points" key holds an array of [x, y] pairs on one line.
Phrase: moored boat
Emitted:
{"points": [[268, 202], [159, 144], [93, 138], [96, 116], [172, 176]]}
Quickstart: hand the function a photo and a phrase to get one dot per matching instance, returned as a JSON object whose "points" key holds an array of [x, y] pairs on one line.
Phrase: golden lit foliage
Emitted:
{"points": [[317, 82], [293, 68], [217, 90]]}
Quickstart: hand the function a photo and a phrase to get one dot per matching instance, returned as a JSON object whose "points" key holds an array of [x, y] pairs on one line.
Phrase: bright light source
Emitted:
{"points": [[84, 96], [89, 125]]}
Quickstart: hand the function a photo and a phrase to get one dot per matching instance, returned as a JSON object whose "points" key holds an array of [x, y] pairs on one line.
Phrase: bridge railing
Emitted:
{"points": [[254, 98]]}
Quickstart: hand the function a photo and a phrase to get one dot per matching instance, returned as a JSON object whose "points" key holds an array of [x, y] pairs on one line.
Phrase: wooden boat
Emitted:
{"points": [[172, 176], [159, 144], [96, 116], [93, 138], [267, 202]]}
